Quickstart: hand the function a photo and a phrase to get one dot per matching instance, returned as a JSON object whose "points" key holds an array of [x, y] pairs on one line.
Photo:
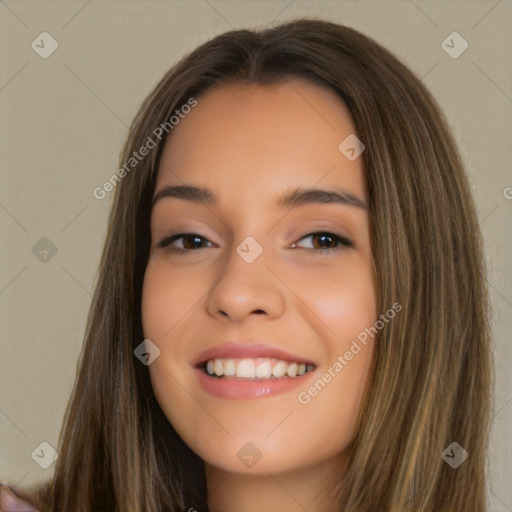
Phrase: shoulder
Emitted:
{"points": [[10, 502]]}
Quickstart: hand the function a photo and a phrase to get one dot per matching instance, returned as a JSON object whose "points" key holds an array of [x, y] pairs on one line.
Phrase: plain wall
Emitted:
{"points": [[64, 120]]}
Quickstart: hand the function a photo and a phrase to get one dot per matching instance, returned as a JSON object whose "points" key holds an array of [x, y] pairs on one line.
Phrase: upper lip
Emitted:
{"points": [[239, 350]]}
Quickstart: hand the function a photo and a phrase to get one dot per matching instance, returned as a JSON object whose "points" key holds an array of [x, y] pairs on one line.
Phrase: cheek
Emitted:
{"points": [[166, 299], [346, 305], [345, 302]]}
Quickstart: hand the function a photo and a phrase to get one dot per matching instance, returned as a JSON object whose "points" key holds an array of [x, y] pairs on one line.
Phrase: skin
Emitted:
{"points": [[9, 501], [250, 143]]}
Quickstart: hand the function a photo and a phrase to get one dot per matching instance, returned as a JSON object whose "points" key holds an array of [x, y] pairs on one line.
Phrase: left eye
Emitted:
{"points": [[327, 241]]}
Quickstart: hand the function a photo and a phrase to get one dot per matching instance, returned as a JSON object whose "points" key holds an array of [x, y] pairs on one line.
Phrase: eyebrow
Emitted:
{"points": [[290, 199]]}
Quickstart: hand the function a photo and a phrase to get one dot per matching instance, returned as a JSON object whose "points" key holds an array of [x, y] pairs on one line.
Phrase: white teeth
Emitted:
{"points": [[229, 367], [264, 370], [279, 369], [246, 368], [292, 370], [218, 367], [260, 368]]}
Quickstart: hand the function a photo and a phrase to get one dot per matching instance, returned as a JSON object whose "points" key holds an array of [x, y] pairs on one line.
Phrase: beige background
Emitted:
{"points": [[64, 120]]}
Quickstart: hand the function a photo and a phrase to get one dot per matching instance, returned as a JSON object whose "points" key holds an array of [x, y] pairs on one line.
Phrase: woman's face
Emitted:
{"points": [[267, 283]]}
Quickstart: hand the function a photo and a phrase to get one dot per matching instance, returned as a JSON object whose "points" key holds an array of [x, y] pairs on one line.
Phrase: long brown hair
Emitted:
{"points": [[431, 378]]}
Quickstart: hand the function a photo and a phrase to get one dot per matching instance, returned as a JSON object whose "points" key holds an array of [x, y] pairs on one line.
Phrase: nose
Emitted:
{"points": [[244, 290]]}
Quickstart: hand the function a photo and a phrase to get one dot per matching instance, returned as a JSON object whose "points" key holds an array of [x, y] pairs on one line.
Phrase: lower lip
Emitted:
{"points": [[243, 388]]}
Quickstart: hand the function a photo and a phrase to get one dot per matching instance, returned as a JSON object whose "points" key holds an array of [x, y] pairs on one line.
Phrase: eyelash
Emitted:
{"points": [[166, 242]]}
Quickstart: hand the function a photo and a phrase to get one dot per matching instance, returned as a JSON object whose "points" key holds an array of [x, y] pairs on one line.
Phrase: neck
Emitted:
{"points": [[312, 489]]}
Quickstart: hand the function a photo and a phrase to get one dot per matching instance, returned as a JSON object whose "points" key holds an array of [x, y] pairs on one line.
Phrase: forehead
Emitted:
{"points": [[248, 139]]}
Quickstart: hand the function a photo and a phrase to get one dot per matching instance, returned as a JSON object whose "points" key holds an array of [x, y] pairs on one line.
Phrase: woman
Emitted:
{"points": [[291, 310]]}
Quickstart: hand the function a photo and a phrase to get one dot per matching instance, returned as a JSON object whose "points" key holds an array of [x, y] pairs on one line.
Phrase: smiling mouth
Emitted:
{"points": [[254, 368]]}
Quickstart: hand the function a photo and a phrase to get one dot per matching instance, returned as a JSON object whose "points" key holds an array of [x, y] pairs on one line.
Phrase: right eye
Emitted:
{"points": [[190, 242]]}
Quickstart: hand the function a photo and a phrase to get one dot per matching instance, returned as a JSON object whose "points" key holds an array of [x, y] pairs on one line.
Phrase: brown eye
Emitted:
{"points": [[327, 241], [191, 242]]}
